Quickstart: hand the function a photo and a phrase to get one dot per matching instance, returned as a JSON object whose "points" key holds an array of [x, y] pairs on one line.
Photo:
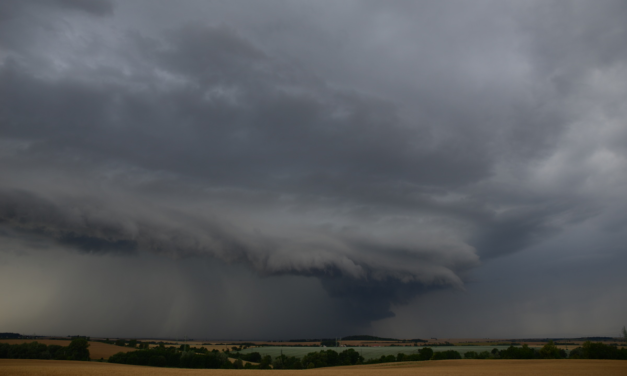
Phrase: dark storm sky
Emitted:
{"points": [[287, 169]]}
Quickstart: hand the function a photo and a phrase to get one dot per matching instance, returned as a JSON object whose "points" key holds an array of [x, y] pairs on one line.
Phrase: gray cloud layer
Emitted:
{"points": [[384, 149]]}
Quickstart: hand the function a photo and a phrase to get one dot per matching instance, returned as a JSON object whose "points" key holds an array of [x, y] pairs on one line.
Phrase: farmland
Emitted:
{"points": [[18, 367]]}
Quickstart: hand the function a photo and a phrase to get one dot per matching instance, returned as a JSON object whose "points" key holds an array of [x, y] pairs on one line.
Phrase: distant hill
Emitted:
{"points": [[10, 335], [566, 339], [367, 338]]}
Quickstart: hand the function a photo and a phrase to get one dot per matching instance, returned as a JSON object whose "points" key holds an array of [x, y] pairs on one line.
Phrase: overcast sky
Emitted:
{"points": [[293, 169]]}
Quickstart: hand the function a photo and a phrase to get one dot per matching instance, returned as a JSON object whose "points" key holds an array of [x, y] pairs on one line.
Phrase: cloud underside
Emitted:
{"points": [[202, 141]]}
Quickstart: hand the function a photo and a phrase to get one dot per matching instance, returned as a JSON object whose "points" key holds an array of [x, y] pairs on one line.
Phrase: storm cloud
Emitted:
{"points": [[387, 150]]}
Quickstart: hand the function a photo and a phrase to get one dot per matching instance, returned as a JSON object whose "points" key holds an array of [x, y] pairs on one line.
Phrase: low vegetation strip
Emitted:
{"points": [[172, 357], [366, 352], [76, 350], [186, 357], [19, 367], [97, 350]]}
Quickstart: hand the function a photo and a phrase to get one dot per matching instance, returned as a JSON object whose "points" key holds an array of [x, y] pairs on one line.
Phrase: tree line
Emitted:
{"points": [[76, 350], [128, 343], [589, 350], [162, 356], [193, 357], [203, 358]]}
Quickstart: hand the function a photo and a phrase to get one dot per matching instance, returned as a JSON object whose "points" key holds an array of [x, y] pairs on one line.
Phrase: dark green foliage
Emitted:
{"points": [[120, 342], [144, 345], [77, 350], [524, 352], [550, 351], [598, 350], [485, 355], [330, 358], [57, 352], [254, 357], [10, 335], [80, 337], [589, 350], [446, 343], [368, 338], [171, 357], [33, 350], [423, 354], [350, 357], [265, 363], [575, 353], [287, 362], [448, 354], [329, 343]]}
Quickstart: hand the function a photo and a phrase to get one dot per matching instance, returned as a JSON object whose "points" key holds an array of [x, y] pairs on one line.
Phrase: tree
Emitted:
{"points": [[448, 354], [425, 353], [550, 351], [265, 362], [77, 350], [329, 343], [238, 364]]}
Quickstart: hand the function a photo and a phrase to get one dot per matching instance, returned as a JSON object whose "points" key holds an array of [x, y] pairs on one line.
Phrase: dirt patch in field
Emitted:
{"points": [[19, 367]]}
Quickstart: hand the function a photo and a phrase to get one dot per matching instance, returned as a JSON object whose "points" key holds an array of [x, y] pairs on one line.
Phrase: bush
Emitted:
{"points": [[171, 357], [524, 352], [598, 350], [550, 351], [77, 350], [448, 354]]}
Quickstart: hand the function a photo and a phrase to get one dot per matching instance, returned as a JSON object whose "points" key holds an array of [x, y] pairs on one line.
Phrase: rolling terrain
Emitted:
{"points": [[18, 367]]}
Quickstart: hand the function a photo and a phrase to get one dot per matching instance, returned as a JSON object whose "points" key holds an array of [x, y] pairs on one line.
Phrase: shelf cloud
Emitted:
{"points": [[386, 150]]}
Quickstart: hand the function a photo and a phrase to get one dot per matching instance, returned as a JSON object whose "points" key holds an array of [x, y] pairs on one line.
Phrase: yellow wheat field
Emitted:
{"points": [[19, 367]]}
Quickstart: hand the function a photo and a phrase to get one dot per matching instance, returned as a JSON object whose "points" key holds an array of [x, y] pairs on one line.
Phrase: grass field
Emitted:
{"points": [[97, 350], [18, 367], [366, 352]]}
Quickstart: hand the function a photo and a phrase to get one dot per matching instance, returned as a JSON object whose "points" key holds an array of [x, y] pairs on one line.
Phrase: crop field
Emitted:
{"points": [[97, 350], [366, 352], [19, 367]]}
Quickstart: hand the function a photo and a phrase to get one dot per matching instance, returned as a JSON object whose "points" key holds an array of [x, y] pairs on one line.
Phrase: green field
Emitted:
{"points": [[366, 352]]}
